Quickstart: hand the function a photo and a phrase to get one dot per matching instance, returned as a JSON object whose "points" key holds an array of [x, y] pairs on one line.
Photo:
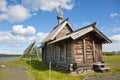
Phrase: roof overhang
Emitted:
{"points": [[81, 32]]}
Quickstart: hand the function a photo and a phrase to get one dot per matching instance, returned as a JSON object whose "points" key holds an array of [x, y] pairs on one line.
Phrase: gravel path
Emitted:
{"points": [[104, 77], [14, 73]]}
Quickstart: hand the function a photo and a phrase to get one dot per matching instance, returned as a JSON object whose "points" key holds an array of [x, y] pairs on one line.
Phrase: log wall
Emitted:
{"points": [[78, 51], [87, 49]]}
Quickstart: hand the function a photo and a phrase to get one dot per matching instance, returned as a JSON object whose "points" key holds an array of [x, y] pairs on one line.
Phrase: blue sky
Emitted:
{"points": [[23, 21]]}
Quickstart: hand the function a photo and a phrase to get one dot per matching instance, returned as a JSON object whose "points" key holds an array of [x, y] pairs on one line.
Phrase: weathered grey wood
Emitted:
{"points": [[94, 57], [63, 32], [84, 51], [65, 46], [65, 52], [54, 52]]}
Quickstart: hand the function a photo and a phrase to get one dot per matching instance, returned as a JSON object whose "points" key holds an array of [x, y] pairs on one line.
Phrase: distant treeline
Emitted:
{"points": [[10, 55], [111, 53]]}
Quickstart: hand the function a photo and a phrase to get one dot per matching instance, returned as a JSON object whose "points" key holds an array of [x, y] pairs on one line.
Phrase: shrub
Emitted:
{"points": [[109, 53]]}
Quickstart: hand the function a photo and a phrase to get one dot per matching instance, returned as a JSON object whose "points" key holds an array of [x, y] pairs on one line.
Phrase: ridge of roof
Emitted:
{"points": [[67, 19], [55, 30], [82, 31], [86, 26]]}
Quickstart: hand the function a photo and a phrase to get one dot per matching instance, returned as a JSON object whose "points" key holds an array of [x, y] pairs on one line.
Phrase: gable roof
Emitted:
{"points": [[80, 32], [56, 30], [29, 48]]}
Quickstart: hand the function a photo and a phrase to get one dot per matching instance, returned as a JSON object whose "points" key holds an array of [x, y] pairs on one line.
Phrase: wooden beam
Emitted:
{"points": [[94, 57], [65, 52], [101, 52], [84, 51], [54, 52], [73, 51]]}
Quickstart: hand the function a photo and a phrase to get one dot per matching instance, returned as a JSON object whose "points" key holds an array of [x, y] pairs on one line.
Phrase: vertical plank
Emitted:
{"points": [[65, 52], [59, 53], [84, 51], [94, 57], [73, 51], [54, 52], [101, 51]]}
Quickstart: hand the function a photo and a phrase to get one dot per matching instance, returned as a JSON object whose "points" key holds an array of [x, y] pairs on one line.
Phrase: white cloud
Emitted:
{"points": [[115, 45], [5, 37], [40, 36], [18, 29], [8, 37], [3, 17], [3, 5], [18, 13], [116, 37], [114, 15], [47, 5], [16, 43], [15, 13]]}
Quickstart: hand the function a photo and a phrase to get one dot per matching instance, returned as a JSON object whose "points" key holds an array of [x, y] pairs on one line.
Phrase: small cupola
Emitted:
{"points": [[60, 16]]}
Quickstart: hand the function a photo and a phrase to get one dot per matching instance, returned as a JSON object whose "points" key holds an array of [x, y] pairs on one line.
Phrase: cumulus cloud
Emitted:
{"points": [[116, 37], [17, 38], [47, 5], [20, 30], [8, 37], [19, 34], [27, 8], [15, 13], [3, 5], [16, 43], [40, 36], [115, 45], [5, 37], [114, 15]]}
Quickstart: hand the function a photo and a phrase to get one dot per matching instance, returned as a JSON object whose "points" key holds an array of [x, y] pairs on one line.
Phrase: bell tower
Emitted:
{"points": [[60, 16]]}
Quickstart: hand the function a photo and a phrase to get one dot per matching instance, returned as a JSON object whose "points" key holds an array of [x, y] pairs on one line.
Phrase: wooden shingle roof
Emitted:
{"points": [[80, 32], [56, 30], [29, 48]]}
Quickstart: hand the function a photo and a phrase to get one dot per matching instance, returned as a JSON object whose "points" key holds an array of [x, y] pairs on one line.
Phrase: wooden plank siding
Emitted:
{"points": [[66, 30], [68, 51], [87, 50], [50, 51], [78, 51], [58, 53], [82, 50]]}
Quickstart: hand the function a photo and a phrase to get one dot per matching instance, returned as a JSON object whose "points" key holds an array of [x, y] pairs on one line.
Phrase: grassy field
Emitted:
{"points": [[113, 62], [39, 71]]}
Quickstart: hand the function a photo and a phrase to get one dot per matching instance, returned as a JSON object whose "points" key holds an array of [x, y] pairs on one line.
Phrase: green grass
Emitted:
{"points": [[113, 62], [39, 70]]}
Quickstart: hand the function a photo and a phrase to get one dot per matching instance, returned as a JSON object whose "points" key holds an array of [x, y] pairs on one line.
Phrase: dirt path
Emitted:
{"points": [[104, 77], [14, 73]]}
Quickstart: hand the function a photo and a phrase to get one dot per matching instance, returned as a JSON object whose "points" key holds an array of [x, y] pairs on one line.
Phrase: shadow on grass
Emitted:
{"points": [[40, 66]]}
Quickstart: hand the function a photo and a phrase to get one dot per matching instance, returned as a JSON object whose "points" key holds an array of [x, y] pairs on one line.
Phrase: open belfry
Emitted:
{"points": [[73, 50]]}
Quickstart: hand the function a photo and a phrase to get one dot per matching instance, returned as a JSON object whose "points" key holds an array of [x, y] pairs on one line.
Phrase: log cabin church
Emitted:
{"points": [[73, 49]]}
